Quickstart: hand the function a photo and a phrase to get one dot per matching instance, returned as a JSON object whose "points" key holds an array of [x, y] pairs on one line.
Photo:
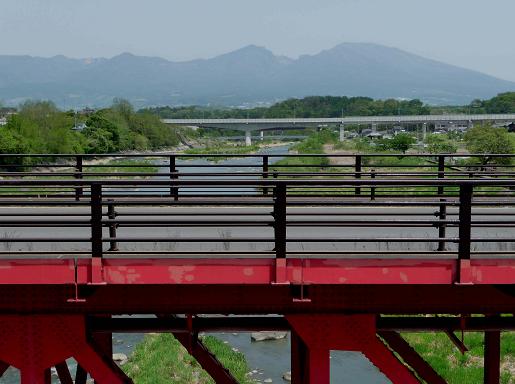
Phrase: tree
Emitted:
{"points": [[98, 121], [440, 144], [99, 140], [123, 107], [12, 143], [502, 103], [490, 140], [402, 142]]}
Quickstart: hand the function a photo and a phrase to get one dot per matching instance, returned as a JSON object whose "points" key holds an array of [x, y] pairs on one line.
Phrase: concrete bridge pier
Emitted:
{"points": [[248, 138], [342, 132]]}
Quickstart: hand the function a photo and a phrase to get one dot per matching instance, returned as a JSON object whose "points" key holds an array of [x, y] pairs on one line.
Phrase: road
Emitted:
{"points": [[253, 225]]}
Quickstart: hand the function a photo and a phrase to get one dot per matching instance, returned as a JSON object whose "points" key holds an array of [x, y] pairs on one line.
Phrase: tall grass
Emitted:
{"points": [[161, 359], [438, 350]]}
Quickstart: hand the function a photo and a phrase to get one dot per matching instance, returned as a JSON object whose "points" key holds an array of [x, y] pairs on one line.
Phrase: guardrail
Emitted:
{"points": [[459, 221], [175, 167]]}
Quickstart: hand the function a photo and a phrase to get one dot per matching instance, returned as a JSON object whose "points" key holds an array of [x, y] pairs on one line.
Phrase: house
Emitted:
{"points": [[79, 127], [371, 134]]}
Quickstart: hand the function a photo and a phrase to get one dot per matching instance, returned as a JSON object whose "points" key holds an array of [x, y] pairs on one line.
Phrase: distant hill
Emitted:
{"points": [[250, 75]]}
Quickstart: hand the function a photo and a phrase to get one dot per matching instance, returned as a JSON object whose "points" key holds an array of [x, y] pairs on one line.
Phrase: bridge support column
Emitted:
{"points": [[35, 343], [492, 356], [314, 336], [248, 138], [342, 132]]}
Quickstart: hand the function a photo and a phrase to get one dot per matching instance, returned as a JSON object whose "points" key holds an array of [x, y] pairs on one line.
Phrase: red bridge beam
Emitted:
{"points": [[121, 299], [180, 325], [254, 271]]}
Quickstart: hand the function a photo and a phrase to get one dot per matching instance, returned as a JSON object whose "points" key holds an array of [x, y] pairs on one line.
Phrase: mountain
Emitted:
{"points": [[246, 76]]}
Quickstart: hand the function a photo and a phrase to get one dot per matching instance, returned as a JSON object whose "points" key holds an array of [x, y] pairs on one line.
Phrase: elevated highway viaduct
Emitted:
{"points": [[259, 125]]}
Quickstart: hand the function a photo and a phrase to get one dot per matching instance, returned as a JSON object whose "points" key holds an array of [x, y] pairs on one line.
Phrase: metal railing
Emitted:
{"points": [[177, 167], [295, 218]]}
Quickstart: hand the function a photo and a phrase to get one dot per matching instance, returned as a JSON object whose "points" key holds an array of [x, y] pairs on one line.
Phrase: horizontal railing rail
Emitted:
{"points": [[458, 220]]}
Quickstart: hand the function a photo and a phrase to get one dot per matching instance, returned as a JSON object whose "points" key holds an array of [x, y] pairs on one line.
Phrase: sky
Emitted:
{"points": [[476, 34]]}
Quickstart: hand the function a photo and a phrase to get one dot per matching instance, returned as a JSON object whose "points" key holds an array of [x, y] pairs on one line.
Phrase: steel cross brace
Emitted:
{"points": [[205, 358], [200, 352], [423, 370]]}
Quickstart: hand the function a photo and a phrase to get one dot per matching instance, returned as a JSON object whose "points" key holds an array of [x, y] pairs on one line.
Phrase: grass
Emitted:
{"points": [[161, 359], [456, 368], [124, 166], [112, 167], [222, 149], [314, 144]]}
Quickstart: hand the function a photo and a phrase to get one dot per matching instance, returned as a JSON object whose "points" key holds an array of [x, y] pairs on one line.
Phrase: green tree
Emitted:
{"points": [[489, 140], [11, 143], [99, 140], [502, 103], [402, 142], [440, 144], [99, 122]]}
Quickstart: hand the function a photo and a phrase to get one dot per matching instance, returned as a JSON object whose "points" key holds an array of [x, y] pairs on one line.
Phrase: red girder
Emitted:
{"points": [[48, 327], [202, 271]]}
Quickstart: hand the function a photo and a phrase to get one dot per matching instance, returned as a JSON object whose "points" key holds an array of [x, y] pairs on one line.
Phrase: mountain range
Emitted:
{"points": [[248, 76]]}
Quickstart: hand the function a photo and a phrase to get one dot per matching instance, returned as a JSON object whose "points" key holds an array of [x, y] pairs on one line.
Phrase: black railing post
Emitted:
{"points": [[441, 173], [279, 215], [174, 190], [96, 221], [372, 187], [357, 174], [265, 173], [111, 215], [442, 214], [78, 176], [465, 219]]}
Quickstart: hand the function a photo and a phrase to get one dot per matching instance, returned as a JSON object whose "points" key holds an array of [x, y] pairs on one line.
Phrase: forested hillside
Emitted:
{"points": [[329, 106]]}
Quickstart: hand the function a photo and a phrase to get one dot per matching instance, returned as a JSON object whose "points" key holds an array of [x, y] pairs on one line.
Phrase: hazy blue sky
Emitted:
{"points": [[478, 34]]}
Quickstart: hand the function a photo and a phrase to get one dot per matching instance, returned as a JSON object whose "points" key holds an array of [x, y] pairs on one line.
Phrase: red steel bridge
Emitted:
{"points": [[345, 257]]}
